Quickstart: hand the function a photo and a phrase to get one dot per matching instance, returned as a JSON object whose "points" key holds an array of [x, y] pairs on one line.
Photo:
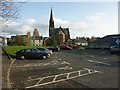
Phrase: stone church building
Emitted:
{"points": [[57, 35]]}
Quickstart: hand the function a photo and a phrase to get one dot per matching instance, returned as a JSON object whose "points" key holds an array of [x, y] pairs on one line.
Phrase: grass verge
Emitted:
{"points": [[11, 50]]}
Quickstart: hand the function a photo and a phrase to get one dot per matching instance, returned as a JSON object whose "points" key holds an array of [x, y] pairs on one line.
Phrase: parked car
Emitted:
{"points": [[31, 53], [45, 50], [115, 49], [54, 48]]}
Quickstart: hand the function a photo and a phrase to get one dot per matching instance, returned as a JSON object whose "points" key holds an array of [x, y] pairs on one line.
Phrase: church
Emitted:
{"points": [[57, 35]]}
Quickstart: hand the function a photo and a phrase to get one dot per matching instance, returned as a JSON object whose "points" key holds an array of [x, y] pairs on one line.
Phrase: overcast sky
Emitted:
{"points": [[83, 18]]}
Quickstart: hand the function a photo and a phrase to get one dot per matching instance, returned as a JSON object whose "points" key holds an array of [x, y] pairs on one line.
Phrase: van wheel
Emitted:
{"points": [[44, 57], [22, 57]]}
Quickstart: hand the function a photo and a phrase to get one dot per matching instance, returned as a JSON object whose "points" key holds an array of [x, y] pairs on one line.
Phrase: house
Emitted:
{"points": [[79, 41]]}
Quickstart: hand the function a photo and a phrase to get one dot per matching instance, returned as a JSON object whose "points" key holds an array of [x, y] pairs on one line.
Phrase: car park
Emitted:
{"points": [[31, 53]]}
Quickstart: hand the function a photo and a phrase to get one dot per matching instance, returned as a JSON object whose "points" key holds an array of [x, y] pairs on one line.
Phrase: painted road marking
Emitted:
{"points": [[65, 68], [59, 59], [41, 64], [98, 62], [61, 77], [92, 56], [105, 58], [64, 62]]}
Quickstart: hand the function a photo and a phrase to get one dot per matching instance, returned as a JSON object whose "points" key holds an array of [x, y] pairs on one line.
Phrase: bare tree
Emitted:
{"points": [[9, 11]]}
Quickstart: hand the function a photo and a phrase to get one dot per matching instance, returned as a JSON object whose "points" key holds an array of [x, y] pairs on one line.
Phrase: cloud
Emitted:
{"points": [[97, 17], [30, 24], [94, 26], [15, 28], [79, 28], [79, 25], [59, 21], [29, 21], [101, 14]]}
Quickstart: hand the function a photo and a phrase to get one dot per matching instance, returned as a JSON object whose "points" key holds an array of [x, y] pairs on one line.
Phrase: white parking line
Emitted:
{"points": [[64, 62], [47, 64], [92, 56], [42, 64], [98, 62], [65, 68], [60, 59], [67, 76], [105, 58]]}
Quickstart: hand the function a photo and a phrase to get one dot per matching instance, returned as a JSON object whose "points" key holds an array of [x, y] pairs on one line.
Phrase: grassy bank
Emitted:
{"points": [[11, 50]]}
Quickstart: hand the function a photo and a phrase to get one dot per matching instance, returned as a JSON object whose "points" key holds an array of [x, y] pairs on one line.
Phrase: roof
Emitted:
{"points": [[36, 37], [56, 30], [106, 39]]}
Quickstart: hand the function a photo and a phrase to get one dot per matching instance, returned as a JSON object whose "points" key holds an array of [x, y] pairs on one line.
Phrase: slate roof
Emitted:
{"points": [[106, 39], [36, 38], [56, 30]]}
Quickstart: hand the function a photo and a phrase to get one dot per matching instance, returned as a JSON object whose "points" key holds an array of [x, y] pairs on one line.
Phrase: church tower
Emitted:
{"points": [[51, 22]]}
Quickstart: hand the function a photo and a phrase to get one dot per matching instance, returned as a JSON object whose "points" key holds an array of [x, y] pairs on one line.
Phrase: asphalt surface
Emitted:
{"points": [[67, 69]]}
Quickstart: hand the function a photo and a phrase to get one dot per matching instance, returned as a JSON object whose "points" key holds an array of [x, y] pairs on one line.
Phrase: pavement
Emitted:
{"points": [[5, 68], [65, 69], [0, 68]]}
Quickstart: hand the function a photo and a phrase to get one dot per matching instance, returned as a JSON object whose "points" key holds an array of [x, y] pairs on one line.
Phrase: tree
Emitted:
{"points": [[93, 38], [9, 10]]}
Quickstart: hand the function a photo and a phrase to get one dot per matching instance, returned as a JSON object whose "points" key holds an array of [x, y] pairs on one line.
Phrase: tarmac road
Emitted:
{"points": [[67, 69]]}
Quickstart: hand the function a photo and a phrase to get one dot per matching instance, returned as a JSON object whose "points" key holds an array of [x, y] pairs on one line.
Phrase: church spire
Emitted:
{"points": [[51, 15], [51, 22]]}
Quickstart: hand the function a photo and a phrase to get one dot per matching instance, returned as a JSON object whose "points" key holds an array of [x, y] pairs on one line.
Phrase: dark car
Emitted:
{"points": [[115, 49], [45, 50], [31, 54], [54, 48]]}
